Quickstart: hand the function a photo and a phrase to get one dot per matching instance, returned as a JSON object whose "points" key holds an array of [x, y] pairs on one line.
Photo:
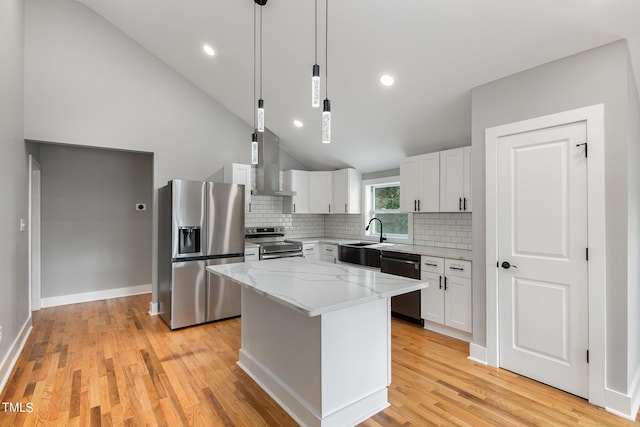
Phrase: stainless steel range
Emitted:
{"points": [[272, 242]]}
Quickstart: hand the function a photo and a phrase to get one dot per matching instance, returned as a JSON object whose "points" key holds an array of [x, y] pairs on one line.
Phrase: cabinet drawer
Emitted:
{"points": [[457, 268], [331, 250], [432, 264]]}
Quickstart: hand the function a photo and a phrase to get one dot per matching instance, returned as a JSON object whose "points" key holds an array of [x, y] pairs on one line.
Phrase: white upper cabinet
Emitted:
{"points": [[237, 173], [347, 185], [321, 192], [298, 181], [455, 180], [420, 183]]}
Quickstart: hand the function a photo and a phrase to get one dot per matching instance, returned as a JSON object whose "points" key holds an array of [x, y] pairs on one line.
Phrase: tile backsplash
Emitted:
{"points": [[446, 230]]}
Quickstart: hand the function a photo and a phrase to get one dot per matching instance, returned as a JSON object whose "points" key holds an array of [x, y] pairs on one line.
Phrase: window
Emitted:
{"points": [[382, 201]]}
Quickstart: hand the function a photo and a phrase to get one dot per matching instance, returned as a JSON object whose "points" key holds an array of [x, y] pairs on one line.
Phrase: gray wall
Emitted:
{"points": [[14, 289], [87, 83], [93, 239], [592, 77], [633, 304]]}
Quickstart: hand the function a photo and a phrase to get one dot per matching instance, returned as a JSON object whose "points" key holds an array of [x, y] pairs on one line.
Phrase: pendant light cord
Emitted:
{"points": [[261, 52], [326, 49], [316, 29], [254, 67]]}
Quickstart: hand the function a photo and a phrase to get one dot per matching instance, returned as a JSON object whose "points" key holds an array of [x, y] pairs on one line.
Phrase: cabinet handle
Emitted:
{"points": [[456, 268], [294, 208], [440, 282], [418, 205], [460, 204], [430, 264], [249, 207], [329, 207], [465, 203], [445, 283], [415, 205]]}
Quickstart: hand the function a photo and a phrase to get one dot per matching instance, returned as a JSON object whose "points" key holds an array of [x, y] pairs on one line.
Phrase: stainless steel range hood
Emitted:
{"points": [[268, 168]]}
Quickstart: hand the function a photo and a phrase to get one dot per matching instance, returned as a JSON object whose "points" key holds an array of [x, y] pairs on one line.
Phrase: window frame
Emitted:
{"points": [[366, 211]]}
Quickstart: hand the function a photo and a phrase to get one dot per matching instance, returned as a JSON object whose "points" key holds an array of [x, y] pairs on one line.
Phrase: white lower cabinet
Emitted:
{"points": [[447, 300], [251, 253], [328, 253], [310, 251]]}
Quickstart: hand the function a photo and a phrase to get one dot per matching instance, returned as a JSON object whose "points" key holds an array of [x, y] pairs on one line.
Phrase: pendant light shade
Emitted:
{"points": [[326, 122], [260, 115], [315, 86], [254, 148]]}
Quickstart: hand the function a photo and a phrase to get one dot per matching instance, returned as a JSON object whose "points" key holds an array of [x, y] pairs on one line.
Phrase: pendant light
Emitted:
{"points": [[254, 135], [326, 105], [315, 71], [261, 101]]}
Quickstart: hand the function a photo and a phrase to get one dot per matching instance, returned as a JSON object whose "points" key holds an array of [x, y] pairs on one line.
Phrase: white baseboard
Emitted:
{"points": [[623, 405], [10, 360], [154, 308], [95, 296], [477, 353], [450, 332]]}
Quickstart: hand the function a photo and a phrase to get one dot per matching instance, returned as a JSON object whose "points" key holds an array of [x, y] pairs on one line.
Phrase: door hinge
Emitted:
{"points": [[587, 254], [587, 356], [586, 154]]}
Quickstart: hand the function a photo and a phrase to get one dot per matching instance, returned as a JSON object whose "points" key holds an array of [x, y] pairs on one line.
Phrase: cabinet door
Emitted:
{"points": [[467, 179], [236, 173], [429, 174], [451, 180], [346, 191], [457, 303], [298, 181], [432, 298], [409, 184], [310, 251], [320, 192]]}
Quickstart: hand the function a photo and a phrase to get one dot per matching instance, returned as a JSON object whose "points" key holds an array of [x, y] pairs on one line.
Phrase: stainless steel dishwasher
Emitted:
{"points": [[407, 306]]}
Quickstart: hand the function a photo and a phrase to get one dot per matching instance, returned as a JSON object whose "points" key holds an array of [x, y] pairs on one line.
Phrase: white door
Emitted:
{"points": [[542, 235]]}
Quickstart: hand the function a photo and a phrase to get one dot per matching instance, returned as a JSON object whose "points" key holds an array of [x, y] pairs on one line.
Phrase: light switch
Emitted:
{"points": [[23, 224]]}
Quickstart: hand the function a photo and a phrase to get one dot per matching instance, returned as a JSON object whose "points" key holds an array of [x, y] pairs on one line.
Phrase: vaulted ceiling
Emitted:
{"points": [[437, 51]]}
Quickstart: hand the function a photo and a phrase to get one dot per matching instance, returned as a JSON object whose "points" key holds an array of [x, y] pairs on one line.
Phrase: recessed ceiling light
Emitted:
{"points": [[208, 50], [297, 123], [386, 80]]}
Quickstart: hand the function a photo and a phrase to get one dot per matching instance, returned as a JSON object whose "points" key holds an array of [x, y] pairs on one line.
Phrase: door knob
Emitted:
{"points": [[506, 265]]}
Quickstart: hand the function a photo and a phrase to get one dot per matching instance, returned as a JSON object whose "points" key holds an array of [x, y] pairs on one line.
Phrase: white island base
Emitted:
{"points": [[327, 370]]}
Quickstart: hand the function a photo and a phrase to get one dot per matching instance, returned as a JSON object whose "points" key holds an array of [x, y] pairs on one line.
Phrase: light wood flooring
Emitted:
{"points": [[110, 363]]}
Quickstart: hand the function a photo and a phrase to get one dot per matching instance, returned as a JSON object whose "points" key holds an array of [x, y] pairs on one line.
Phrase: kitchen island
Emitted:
{"points": [[317, 336]]}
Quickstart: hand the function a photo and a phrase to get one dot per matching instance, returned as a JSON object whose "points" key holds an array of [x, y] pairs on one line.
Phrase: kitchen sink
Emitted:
{"points": [[360, 244], [359, 253]]}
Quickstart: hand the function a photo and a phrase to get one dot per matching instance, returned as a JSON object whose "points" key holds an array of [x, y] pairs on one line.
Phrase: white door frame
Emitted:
{"points": [[594, 117], [35, 190]]}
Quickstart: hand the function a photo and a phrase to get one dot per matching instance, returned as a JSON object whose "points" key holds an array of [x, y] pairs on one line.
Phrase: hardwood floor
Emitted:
{"points": [[110, 363]]}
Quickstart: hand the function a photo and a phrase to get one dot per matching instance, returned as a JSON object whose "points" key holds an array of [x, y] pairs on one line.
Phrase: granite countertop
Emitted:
{"points": [[459, 254], [315, 287]]}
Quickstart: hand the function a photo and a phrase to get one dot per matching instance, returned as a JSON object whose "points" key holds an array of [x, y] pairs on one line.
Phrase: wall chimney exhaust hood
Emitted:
{"points": [[268, 167]]}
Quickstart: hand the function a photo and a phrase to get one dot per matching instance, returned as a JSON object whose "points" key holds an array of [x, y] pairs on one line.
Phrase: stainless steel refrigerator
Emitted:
{"points": [[199, 224]]}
